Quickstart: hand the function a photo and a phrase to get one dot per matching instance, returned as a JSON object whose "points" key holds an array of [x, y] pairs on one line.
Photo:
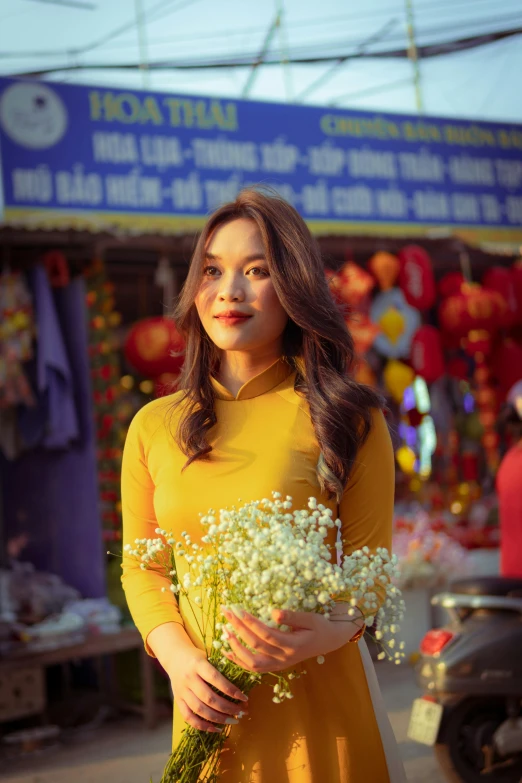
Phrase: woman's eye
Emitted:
{"points": [[210, 271], [258, 271]]}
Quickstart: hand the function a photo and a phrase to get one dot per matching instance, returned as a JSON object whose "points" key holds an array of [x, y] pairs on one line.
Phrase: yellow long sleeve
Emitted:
{"points": [[366, 508], [149, 607]]}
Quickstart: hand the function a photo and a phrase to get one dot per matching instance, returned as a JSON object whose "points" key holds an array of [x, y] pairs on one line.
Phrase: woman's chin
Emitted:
{"points": [[234, 345]]}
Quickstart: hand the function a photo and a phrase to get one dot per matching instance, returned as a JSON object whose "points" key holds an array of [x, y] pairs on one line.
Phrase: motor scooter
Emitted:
{"points": [[470, 672]]}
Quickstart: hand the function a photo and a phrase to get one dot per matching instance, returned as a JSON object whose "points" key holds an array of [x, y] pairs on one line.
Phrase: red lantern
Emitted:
{"points": [[478, 343], [459, 368], [473, 308], [507, 364], [516, 279], [150, 344], [426, 354], [416, 277], [501, 280], [450, 284], [469, 466]]}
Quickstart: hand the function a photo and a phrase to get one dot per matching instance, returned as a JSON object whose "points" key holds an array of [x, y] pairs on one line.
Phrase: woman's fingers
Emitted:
{"points": [[202, 710], [214, 701], [194, 720], [254, 662], [208, 673], [258, 635], [303, 620], [250, 635]]}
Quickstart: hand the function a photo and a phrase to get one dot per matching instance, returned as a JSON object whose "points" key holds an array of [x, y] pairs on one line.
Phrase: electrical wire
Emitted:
{"points": [[226, 35], [153, 15], [376, 37], [339, 49], [425, 51]]}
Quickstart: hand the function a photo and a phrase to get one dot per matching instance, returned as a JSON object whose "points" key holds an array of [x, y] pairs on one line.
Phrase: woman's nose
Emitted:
{"points": [[230, 289]]}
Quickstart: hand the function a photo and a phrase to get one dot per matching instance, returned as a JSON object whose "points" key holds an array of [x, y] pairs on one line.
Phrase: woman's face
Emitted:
{"points": [[236, 301]]}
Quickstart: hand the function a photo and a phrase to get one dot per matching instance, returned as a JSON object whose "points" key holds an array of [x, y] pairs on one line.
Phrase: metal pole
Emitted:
{"points": [[142, 41], [283, 49], [264, 49], [413, 55]]}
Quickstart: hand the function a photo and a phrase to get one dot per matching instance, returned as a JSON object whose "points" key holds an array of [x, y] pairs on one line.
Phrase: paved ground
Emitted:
{"points": [[124, 752]]}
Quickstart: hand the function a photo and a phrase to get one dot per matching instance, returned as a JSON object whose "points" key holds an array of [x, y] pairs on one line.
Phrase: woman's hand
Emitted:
{"points": [[191, 676], [273, 650]]}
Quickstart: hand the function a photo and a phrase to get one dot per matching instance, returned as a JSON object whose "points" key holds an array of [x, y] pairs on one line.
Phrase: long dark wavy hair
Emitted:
{"points": [[316, 342]]}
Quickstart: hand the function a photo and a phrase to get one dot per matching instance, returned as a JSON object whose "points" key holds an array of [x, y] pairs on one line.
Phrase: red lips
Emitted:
{"points": [[232, 314]]}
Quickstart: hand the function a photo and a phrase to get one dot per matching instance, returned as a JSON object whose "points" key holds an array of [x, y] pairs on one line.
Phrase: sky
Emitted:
{"points": [[482, 83]]}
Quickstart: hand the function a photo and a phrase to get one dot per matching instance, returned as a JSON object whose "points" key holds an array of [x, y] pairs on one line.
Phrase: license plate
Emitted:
{"points": [[425, 720]]}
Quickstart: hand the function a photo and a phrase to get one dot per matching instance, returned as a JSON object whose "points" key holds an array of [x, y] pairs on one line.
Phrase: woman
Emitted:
{"points": [[509, 487], [268, 404]]}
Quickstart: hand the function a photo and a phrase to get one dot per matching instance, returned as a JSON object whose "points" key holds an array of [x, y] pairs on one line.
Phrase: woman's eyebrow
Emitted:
{"points": [[246, 260]]}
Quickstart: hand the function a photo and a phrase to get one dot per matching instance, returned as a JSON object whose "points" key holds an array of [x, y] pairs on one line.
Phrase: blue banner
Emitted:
{"points": [[136, 156]]}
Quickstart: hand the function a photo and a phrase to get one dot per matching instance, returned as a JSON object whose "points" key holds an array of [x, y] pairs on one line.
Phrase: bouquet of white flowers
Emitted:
{"points": [[261, 557]]}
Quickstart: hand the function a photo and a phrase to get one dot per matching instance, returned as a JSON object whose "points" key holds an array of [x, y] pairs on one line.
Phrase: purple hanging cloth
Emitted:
{"points": [[52, 495], [52, 422]]}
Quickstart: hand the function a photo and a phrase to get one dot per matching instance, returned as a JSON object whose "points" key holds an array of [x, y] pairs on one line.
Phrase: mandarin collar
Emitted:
{"points": [[264, 382]]}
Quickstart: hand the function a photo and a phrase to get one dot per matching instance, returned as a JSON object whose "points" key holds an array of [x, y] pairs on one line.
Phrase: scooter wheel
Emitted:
{"points": [[467, 730]]}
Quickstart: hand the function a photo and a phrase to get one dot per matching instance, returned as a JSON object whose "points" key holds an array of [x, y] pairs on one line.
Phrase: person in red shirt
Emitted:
{"points": [[509, 488]]}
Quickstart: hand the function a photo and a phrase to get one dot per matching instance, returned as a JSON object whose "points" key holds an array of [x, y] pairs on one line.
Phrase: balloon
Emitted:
{"points": [[385, 268], [397, 377], [398, 323], [416, 278]]}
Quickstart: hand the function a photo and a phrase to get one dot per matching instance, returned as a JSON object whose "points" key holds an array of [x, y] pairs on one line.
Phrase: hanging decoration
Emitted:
{"points": [[451, 284], [365, 374], [352, 284], [397, 377], [397, 321], [501, 280], [426, 356], [516, 279], [507, 363], [111, 412], [57, 268], [416, 279], [17, 331], [473, 308], [154, 346], [363, 332], [406, 459], [385, 268]]}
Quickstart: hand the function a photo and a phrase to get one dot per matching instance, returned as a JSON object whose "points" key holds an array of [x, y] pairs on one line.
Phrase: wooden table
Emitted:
{"points": [[97, 646]]}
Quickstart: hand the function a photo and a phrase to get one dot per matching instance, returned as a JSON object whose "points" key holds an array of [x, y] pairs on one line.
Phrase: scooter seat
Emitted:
{"points": [[486, 585]]}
